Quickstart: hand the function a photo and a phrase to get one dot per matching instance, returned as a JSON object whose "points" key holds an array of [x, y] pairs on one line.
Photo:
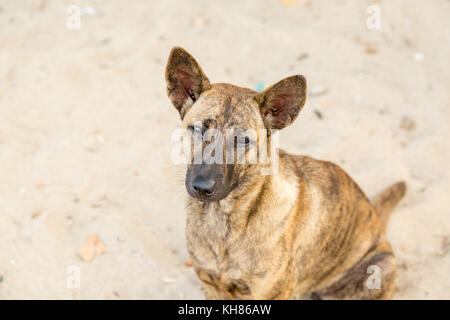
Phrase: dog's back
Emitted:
{"points": [[341, 228]]}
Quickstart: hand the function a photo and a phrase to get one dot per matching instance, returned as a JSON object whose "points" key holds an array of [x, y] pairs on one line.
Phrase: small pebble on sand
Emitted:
{"points": [[407, 124], [318, 114], [259, 87], [168, 280], [288, 3], [316, 91], [418, 57], [302, 56]]}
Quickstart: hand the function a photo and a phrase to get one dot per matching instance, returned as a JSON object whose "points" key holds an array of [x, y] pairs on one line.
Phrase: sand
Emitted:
{"points": [[85, 128]]}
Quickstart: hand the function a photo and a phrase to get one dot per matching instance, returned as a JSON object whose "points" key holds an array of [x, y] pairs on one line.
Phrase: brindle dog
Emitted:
{"points": [[306, 231]]}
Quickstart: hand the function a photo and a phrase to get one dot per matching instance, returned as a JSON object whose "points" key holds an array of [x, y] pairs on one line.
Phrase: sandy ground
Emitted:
{"points": [[85, 129]]}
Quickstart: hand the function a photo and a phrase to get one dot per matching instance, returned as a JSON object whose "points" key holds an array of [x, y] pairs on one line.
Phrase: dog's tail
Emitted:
{"points": [[385, 201]]}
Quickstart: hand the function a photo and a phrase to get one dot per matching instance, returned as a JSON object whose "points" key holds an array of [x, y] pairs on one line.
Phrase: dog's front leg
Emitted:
{"points": [[213, 293]]}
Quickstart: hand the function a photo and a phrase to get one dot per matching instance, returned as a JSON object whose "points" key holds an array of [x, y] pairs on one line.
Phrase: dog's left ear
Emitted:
{"points": [[185, 80], [281, 103]]}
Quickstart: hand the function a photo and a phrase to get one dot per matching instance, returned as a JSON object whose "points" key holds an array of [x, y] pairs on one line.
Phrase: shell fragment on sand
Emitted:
{"points": [[91, 248]]}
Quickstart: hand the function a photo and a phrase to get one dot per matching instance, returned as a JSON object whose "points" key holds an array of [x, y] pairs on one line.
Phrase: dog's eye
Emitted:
{"points": [[244, 140], [195, 129]]}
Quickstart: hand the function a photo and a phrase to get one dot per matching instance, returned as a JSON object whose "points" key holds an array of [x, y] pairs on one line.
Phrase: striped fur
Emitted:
{"points": [[307, 231]]}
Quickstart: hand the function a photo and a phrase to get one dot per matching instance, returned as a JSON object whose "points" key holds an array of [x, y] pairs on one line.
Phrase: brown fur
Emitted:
{"points": [[388, 199], [307, 231]]}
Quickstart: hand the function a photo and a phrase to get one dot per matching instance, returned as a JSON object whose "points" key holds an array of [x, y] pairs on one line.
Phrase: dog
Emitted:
{"points": [[306, 231]]}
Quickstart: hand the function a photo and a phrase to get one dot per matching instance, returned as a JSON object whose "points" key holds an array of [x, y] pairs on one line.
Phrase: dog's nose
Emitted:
{"points": [[204, 186]]}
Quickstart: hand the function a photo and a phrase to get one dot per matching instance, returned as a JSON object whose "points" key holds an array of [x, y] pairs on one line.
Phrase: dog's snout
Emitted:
{"points": [[204, 186], [206, 182]]}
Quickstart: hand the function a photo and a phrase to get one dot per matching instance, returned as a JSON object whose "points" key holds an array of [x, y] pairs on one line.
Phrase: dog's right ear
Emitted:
{"points": [[185, 80]]}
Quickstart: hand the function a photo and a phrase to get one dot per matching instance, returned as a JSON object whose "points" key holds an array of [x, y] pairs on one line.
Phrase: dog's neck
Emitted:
{"points": [[255, 199]]}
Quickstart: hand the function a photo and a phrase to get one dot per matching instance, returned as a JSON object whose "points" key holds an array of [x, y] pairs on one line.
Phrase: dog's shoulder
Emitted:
{"points": [[333, 182]]}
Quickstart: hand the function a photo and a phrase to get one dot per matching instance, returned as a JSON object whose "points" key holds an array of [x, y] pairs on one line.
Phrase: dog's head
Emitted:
{"points": [[228, 122]]}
